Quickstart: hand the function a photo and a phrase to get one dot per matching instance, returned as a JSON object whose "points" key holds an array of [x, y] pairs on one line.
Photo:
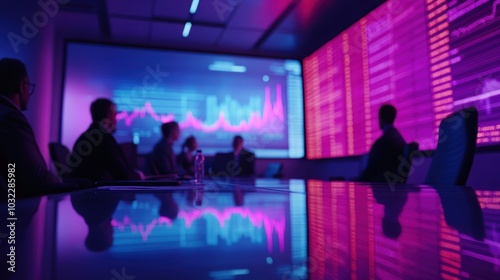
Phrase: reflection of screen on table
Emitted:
{"points": [[263, 238], [428, 58], [213, 97]]}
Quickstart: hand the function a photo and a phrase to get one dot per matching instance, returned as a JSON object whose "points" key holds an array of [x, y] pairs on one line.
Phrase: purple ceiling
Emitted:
{"points": [[283, 28]]}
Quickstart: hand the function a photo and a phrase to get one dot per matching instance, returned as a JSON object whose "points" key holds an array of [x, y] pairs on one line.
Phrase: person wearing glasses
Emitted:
{"points": [[19, 152]]}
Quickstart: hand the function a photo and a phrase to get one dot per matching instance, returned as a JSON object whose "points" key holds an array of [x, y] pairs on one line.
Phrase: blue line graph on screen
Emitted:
{"points": [[188, 109]]}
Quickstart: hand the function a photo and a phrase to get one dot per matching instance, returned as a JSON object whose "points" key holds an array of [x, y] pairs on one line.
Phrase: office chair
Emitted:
{"points": [[59, 154], [224, 164], [454, 154], [219, 165]]}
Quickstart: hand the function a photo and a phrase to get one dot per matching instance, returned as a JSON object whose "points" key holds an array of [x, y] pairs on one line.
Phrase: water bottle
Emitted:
{"points": [[199, 168]]}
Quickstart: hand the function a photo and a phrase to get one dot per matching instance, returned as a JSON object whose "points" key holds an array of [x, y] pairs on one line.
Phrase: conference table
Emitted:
{"points": [[256, 229]]}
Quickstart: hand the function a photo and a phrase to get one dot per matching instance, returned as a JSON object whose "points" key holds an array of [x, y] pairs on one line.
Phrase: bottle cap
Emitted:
{"points": [[198, 151]]}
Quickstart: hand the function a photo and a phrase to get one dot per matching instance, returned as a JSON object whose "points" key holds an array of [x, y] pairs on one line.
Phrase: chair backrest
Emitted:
{"points": [[274, 170], [220, 164], [224, 164], [59, 154], [454, 154], [130, 152]]}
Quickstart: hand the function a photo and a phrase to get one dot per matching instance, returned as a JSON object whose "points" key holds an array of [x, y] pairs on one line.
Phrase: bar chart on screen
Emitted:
{"points": [[225, 115]]}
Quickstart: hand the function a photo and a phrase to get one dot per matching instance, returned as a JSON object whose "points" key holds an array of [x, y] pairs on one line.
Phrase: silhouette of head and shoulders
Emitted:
{"points": [[162, 159], [243, 157], [18, 146], [386, 150], [386, 117], [96, 153]]}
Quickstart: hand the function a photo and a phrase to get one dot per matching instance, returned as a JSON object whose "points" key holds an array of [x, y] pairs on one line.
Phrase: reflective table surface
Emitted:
{"points": [[255, 229]]}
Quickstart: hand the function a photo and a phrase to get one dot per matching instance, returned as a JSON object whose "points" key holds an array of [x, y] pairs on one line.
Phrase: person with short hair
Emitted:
{"points": [[244, 158], [19, 151], [385, 152], [162, 159], [96, 153]]}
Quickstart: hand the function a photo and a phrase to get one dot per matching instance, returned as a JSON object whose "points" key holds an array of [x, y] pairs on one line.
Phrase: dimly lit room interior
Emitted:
{"points": [[333, 139]]}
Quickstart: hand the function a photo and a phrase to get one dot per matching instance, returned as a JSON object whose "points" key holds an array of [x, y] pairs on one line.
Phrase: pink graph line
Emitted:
{"points": [[141, 112], [460, 31], [257, 219], [271, 113]]}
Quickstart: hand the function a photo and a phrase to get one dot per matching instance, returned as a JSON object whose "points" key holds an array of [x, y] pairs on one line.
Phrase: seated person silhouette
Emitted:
{"points": [[162, 160], [98, 154], [383, 156], [19, 150], [244, 158], [185, 159]]}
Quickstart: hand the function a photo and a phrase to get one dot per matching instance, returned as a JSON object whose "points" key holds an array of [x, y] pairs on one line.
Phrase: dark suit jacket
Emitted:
{"points": [[98, 156], [163, 158], [246, 160], [384, 156], [18, 146]]}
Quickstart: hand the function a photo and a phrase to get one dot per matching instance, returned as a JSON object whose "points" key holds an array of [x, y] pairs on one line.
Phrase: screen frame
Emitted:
{"points": [[67, 42]]}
